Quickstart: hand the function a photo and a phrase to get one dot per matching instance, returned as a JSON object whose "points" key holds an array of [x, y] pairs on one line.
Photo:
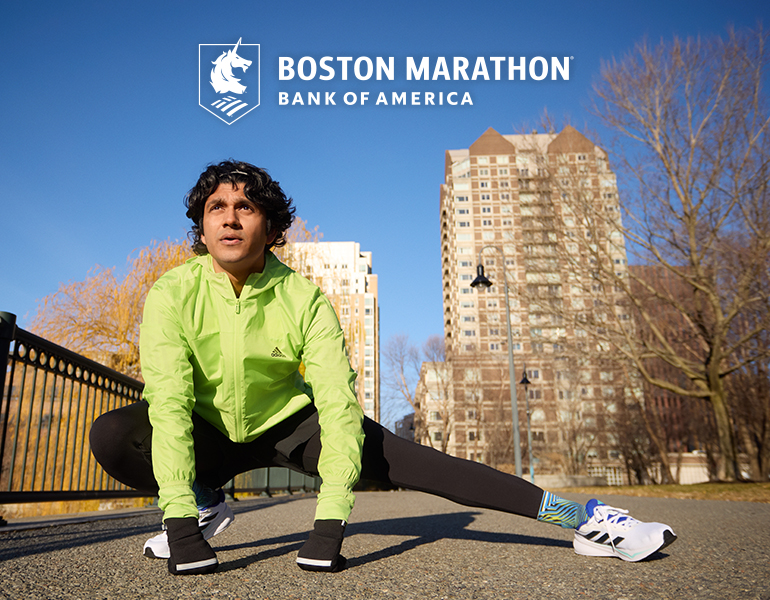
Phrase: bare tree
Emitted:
{"points": [[694, 120], [577, 415], [435, 385], [749, 396], [420, 378], [482, 398], [692, 135]]}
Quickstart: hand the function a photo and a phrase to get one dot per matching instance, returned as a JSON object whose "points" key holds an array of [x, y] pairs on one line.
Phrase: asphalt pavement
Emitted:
{"points": [[400, 545]]}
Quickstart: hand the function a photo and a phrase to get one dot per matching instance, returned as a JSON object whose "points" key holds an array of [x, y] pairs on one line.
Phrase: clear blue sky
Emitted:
{"points": [[101, 134]]}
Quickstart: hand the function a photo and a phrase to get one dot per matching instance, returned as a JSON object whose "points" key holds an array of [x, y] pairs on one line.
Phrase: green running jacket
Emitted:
{"points": [[235, 361]]}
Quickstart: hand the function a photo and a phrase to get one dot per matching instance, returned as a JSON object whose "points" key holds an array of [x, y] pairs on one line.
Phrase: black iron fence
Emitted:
{"points": [[50, 398]]}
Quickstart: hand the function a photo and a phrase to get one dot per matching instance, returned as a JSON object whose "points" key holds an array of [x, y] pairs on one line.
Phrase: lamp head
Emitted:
{"points": [[481, 279]]}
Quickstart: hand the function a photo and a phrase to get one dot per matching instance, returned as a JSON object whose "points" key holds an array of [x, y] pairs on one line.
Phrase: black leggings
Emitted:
{"points": [[121, 441]]}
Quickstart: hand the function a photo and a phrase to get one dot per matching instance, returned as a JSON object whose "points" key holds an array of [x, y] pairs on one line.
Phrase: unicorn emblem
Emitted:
{"points": [[222, 78]]}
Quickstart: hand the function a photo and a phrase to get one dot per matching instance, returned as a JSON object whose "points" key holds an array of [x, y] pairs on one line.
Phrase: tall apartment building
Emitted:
{"points": [[517, 194], [345, 275]]}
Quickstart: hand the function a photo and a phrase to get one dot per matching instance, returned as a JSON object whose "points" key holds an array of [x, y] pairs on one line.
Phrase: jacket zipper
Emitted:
{"points": [[237, 366]]}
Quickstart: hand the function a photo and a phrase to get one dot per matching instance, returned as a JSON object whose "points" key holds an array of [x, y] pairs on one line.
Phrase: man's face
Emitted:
{"points": [[235, 232]]}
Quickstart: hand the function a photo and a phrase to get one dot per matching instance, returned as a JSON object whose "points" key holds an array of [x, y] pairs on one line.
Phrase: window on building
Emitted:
{"points": [[485, 196], [533, 374], [486, 222], [461, 198], [435, 415], [473, 436], [437, 436], [494, 346]]}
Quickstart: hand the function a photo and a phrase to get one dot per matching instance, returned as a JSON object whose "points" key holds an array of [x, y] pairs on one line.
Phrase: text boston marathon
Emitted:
{"points": [[327, 68]]}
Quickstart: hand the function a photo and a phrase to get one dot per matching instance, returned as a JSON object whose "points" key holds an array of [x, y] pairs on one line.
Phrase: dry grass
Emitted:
{"points": [[44, 509], [737, 492]]}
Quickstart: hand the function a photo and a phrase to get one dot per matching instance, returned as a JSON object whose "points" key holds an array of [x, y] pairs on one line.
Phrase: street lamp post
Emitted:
{"points": [[482, 281], [525, 382]]}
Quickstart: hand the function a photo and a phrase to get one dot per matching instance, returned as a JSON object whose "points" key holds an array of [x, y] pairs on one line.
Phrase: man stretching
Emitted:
{"points": [[221, 344]]}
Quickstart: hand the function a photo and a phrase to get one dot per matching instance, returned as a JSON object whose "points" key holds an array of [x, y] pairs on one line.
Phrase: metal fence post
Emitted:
{"points": [[7, 331]]}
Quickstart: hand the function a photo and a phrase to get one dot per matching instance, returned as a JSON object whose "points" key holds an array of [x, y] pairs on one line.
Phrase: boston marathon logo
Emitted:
{"points": [[228, 79]]}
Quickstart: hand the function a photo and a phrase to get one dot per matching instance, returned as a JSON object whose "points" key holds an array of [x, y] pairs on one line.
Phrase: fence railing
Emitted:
{"points": [[50, 398]]}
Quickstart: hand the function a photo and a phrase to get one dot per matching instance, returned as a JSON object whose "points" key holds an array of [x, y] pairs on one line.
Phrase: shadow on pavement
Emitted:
{"points": [[422, 530], [51, 539]]}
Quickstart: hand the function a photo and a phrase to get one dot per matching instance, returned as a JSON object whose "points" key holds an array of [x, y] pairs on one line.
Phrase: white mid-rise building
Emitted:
{"points": [[345, 275]]}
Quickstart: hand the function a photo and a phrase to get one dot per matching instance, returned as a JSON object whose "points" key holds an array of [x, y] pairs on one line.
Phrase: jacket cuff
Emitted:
{"points": [[335, 503], [177, 501]]}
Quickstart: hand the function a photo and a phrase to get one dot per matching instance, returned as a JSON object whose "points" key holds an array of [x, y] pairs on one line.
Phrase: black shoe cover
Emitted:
{"points": [[190, 553], [321, 552]]}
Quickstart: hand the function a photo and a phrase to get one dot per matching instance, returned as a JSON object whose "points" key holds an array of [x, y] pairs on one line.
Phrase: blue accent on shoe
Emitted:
{"points": [[591, 505]]}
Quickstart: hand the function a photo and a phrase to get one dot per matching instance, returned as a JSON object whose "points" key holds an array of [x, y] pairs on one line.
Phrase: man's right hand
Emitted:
{"points": [[190, 553]]}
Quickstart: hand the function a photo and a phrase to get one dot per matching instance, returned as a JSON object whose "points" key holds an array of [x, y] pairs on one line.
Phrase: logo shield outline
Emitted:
{"points": [[238, 89]]}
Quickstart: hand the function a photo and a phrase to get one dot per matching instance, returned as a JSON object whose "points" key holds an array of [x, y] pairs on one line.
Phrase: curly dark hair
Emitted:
{"points": [[257, 186]]}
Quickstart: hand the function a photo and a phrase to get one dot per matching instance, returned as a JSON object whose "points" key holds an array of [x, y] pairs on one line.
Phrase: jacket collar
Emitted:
{"points": [[273, 273]]}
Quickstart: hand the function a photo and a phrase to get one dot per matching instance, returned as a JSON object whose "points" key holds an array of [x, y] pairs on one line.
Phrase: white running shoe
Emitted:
{"points": [[610, 532], [211, 520]]}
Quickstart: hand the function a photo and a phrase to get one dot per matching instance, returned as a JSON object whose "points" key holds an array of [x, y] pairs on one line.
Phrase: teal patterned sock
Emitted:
{"points": [[562, 512]]}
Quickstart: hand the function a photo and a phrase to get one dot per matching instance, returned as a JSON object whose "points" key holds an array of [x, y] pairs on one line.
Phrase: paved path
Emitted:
{"points": [[400, 545]]}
